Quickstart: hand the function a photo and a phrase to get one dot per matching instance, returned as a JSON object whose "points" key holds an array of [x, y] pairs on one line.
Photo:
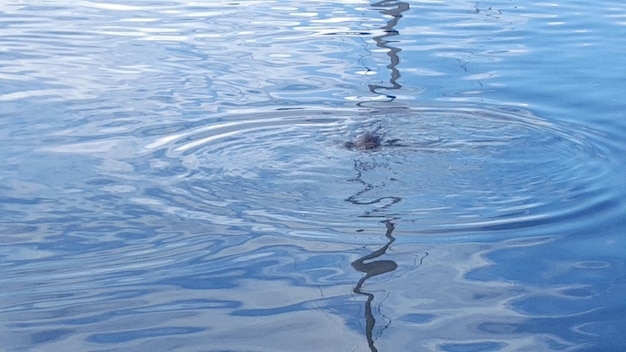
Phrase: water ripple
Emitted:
{"points": [[449, 170]]}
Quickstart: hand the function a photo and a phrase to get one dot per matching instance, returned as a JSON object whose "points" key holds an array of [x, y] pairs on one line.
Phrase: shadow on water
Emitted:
{"points": [[366, 264]]}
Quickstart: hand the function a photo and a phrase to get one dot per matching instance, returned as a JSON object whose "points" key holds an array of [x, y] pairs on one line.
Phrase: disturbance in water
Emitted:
{"points": [[447, 169], [365, 141], [370, 141]]}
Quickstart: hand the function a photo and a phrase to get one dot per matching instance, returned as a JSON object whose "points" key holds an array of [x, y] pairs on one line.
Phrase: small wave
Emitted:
{"points": [[452, 170]]}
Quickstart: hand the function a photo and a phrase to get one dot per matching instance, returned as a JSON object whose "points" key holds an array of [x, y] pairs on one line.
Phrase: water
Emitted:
{"points": [[175, 178]]}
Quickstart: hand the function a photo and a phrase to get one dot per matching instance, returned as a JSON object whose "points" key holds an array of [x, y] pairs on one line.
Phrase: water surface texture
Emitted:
{"points": [[183, 176]]}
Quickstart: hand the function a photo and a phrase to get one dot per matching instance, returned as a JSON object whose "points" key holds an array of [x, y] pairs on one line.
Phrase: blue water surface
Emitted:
{"points": [[183, 176]]}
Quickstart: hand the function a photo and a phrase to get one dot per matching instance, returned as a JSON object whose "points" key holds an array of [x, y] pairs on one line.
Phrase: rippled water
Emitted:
{"points": [[176, 176]]}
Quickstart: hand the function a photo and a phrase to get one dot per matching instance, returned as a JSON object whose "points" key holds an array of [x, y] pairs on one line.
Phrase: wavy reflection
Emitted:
{"points": [[372, 269], [366, 264], [395, 10]]}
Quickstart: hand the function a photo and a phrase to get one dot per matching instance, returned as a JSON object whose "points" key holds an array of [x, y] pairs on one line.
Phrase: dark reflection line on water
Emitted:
{"points": [[359, 167], [366, 264], [395, 10], [372, 267]]}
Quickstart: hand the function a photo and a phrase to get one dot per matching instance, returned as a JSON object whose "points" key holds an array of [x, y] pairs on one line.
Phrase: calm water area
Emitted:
{"points": [[186, 175]]}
